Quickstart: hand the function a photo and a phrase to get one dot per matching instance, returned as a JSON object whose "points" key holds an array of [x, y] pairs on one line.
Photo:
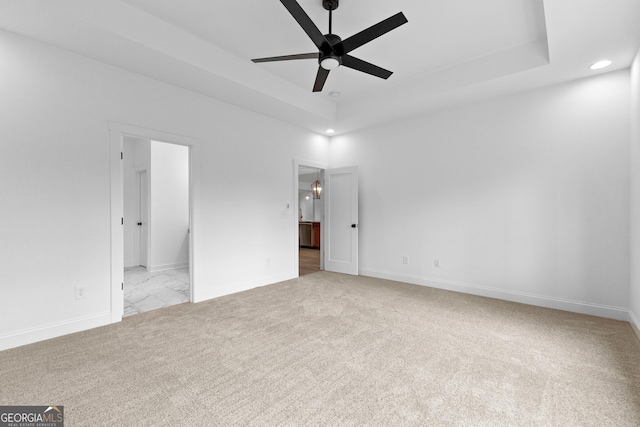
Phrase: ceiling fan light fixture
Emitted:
{"points": [[316, 188], [330, 63]]}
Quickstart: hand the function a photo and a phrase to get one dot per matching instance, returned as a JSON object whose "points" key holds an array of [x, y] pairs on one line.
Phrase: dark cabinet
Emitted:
{"points": [[310, 234]]}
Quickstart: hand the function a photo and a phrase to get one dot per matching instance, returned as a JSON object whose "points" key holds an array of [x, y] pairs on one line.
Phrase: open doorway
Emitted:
{"points": [[310, 213], [156, 224]]}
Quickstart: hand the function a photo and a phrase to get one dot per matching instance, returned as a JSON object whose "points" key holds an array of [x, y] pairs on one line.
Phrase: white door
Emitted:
{"points": [[143, 219], [341, 220]]}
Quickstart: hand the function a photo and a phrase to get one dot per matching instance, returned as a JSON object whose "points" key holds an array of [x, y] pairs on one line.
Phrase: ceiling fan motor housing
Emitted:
{"points": [[329, 51]]}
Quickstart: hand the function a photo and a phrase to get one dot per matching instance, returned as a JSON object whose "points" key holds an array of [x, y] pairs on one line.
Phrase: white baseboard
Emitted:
{"points": [[635, 324], [162, 267], [617, 313], [232, 288], [41, 333]]}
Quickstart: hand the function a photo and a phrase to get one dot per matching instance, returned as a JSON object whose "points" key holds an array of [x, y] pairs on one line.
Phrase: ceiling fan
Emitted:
{"points": [[333, 51]]}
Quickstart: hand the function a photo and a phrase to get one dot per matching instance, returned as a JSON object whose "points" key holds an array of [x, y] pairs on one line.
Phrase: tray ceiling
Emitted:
{"points": [[450, 52]]}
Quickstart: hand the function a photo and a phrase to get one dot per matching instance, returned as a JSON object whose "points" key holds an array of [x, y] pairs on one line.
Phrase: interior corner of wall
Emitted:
{"points": [[634, 321]]}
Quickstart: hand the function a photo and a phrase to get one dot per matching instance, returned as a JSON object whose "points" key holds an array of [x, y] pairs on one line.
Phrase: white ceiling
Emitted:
{"points": [[450, 52]]}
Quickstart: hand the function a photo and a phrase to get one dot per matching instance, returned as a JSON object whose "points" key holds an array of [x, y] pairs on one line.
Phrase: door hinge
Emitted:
{"points": [[122, 221], [121, 155], [123, 286]]}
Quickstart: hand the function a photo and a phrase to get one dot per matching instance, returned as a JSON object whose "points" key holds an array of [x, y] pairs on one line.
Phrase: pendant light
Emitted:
{"points": [[316, 187]]}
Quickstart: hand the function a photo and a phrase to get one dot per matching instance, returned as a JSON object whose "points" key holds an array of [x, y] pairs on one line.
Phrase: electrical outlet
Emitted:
{"points": [[405, 259], [81, 292], [436, 263]]}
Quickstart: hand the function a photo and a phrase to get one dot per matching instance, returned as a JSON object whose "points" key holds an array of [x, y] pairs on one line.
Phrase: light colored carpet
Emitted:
{"points": [[329, 349]]}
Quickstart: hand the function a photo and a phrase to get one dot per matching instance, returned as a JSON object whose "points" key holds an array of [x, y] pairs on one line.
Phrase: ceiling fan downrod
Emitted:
{"points": [[330, 5]]}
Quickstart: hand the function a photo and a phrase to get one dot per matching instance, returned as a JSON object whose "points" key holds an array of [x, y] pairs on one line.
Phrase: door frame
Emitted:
{"points": [[117, 131], [296, 262]]}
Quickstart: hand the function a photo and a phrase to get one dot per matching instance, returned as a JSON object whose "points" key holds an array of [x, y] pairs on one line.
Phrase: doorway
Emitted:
{"points": [[310, 214], [156, 224], [117, 133]]}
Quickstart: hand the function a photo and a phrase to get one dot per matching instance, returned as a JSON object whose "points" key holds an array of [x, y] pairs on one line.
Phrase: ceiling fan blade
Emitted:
{"points": [[373, 32], [321, 77], [288, 57], [364, 66], [306, 23]]}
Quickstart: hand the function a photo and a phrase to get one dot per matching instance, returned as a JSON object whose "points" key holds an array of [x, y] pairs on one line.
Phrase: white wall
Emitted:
{"points": [[524, 198], [312, 208], [634, 298], [55, 186], [305, 205], [169, 213]]}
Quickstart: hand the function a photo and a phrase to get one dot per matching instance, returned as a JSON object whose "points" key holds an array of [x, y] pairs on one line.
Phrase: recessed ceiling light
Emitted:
{"points": [[334, 94], [331, 131], [600, 64]]}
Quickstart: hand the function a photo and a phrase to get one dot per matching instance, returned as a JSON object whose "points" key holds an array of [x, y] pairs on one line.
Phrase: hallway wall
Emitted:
{"points": [[169, 207]]}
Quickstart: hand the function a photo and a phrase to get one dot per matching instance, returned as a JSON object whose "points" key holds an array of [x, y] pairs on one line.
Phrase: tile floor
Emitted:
{"points": [[145, 291]]}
